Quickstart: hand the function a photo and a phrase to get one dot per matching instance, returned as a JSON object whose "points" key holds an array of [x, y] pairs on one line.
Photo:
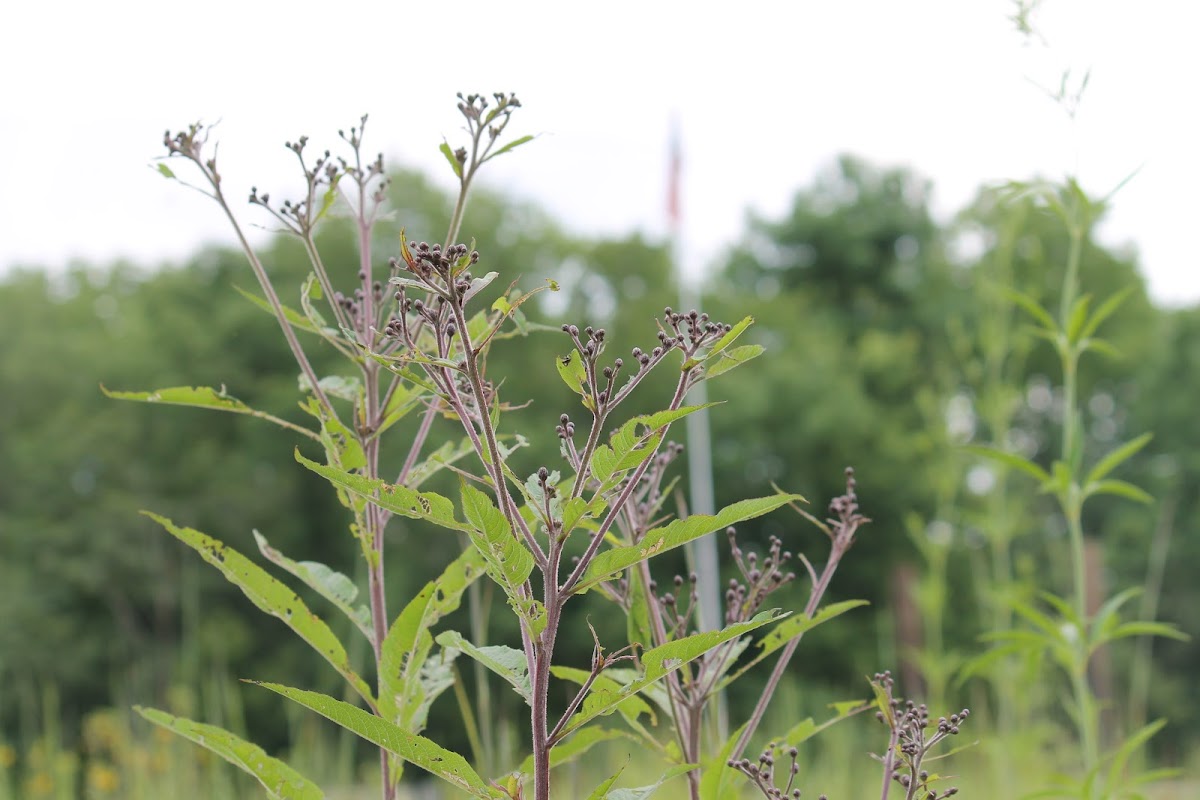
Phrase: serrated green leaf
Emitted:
{"points": [[408, 641], [721, 344], [397, 499], [271, 596], [734, 357], [1010, 460], [676, 533], [509, 563], [413, 748], [330, 584], [506, 662], [659, 661], [204, 397], [455, 164], [280, 780], [791, 628]]}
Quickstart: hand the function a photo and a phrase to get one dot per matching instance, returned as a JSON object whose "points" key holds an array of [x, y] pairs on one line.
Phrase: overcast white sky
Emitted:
{"points": [[767, 94]]}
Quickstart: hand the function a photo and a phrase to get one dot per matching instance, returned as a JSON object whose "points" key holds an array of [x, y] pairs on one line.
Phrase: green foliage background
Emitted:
{"points": [[875, 318]]}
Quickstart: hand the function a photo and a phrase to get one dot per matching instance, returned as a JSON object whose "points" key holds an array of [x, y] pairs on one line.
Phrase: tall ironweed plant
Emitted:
{"points": [[416, 333]]}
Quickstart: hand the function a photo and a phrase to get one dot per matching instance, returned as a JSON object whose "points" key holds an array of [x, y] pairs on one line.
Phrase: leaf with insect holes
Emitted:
{"points": [[413, 748], [408, 642], [330, 584], [280, 780], [398, 499], [789, 629], [204, 397], [608, 564], [659, 661], [271, 596]]}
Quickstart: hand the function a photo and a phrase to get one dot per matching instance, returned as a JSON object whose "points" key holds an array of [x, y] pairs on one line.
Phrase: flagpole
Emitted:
{"points": [[701, 552]]}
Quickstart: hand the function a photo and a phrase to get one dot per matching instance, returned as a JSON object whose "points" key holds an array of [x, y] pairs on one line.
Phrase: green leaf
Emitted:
{"points": [[1127, 629], [1127, 748], [807, 729], [280, 780], [791, 628], [506, 662], [571, 370], [508, 562], [165, 171], [719, 346], [630, 448], [642, 792], [449, 453], [271, 596], [1033, 308], [455, 164], [294, 317], [1121, 489], [576, 746], [733, 357], [204, 397], [397, 499], [335, 386], [601, 791], [329, 198], [678, 532], [1117, 457], [715, 780], [1011, 460], [1106, 310], [515, 143], [330, 584], [408, 641], [1078, 317], [606, 684], [661, 660], [413, 748]]}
